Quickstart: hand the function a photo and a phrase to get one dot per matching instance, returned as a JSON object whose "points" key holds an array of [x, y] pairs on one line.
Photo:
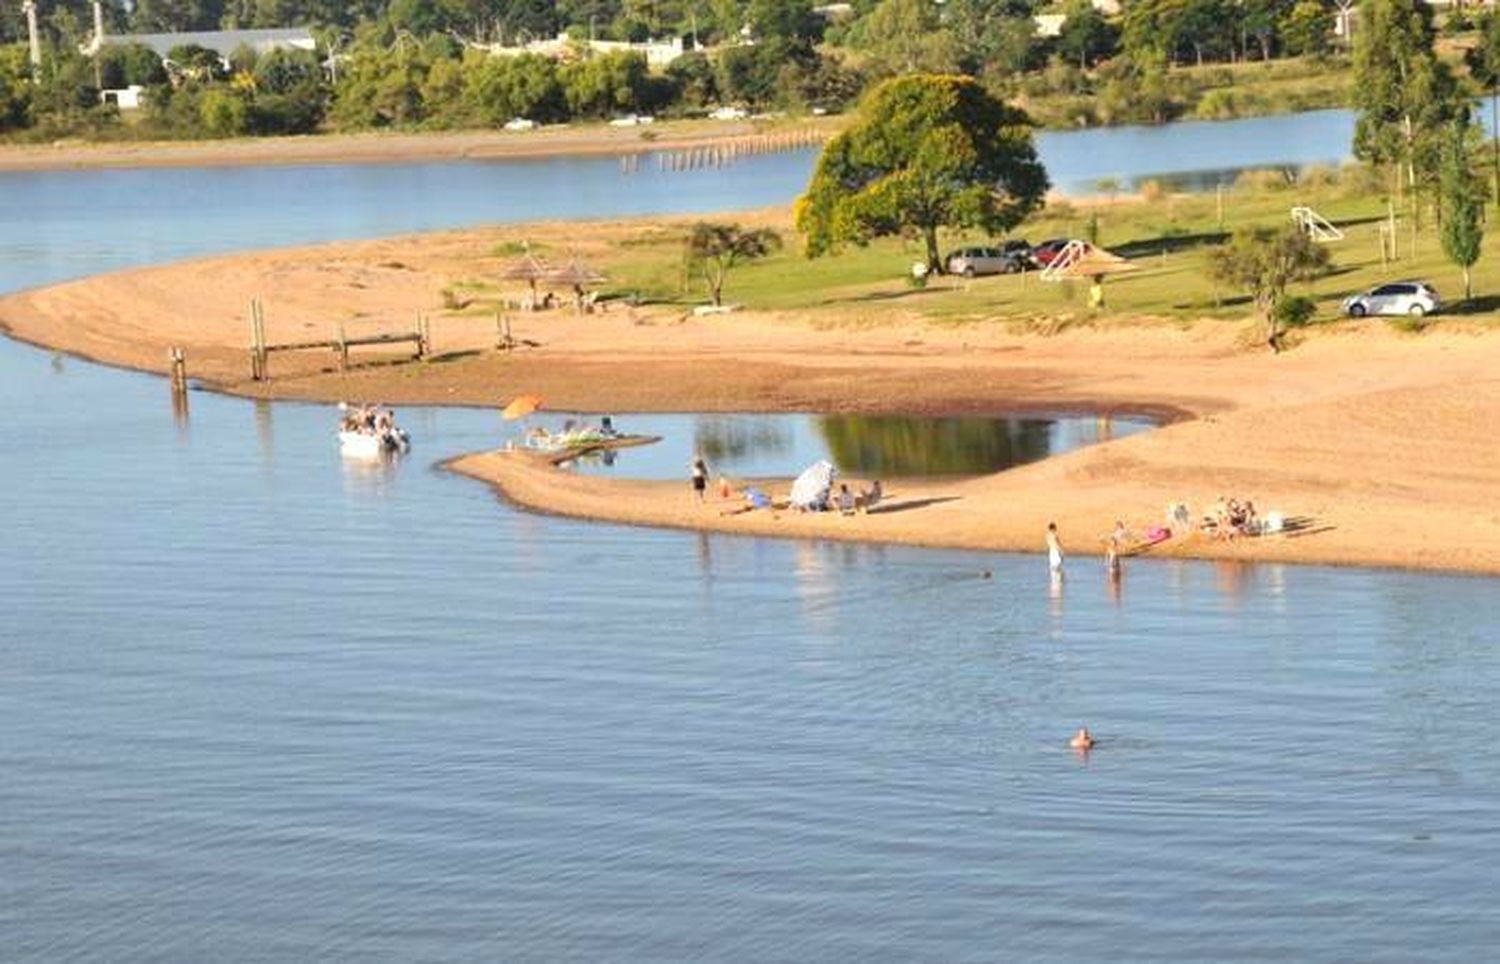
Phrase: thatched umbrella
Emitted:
{"points": [[1083, 260], [529, 269], [576, 274]]}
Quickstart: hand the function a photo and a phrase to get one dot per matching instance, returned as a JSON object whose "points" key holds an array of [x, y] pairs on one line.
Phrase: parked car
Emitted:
{"points": [[1044, 253], [1398, 298], [520, 124], [1012, 256]]}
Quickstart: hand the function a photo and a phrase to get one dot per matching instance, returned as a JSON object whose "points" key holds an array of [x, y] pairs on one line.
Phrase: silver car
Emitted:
{"points": [[1012, 257], [1414, 298]]}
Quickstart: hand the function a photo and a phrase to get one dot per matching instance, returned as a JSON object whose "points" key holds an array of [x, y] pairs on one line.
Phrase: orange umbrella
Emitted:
{"points": [[522, 406]]}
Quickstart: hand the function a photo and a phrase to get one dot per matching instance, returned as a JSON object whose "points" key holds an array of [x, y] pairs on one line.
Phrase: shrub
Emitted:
{"points": [[1295, 312]]}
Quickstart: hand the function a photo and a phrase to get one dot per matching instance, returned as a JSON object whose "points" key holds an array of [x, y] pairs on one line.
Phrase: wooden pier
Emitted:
{"points": [[419, 336]]}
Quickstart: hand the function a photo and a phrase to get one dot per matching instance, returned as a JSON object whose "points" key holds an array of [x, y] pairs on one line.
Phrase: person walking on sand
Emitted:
{"points": [[1054, 550], [699, 475]]}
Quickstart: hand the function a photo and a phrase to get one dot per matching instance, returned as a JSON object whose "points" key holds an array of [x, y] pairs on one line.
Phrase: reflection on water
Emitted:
{"points": [[723, 440], [904, 446], [763, 446]]}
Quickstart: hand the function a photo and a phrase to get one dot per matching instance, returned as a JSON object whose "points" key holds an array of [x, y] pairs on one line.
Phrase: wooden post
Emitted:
{"points": [[420, 334], [257, 341], [178, 358], [343, 349]]}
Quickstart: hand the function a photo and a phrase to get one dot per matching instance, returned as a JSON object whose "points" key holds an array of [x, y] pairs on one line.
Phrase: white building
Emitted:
{"points": [[658, 53], [125, 98]]}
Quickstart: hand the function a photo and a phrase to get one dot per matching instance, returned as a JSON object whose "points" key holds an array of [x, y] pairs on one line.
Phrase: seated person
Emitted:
{"points": [[845, 500], [869, 498]]}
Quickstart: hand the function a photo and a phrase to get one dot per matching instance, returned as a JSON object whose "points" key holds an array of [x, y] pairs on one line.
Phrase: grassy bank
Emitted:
{"points": [[1165, 236]]}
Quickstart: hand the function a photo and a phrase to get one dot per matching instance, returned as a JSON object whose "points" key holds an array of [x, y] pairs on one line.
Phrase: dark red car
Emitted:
{"points": [[1044, 253]]}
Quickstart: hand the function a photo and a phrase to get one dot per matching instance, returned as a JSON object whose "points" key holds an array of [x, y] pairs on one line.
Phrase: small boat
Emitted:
{"points": [[370, 432], [371, 444]]}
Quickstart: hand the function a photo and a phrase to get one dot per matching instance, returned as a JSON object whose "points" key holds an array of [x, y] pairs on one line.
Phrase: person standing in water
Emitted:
{"points": [[1054, 550], [699, 474]]}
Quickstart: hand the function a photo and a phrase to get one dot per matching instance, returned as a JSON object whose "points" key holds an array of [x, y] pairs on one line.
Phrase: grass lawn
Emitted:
{"points": [[1166, 238]]}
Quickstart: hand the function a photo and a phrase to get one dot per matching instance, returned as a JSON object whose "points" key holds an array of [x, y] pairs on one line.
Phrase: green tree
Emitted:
{"points": [[1462, 230], [1262, 262], [903, 36], [602, 85], [1306, 28], [15, 87], [1483, 60], [927, 151], [712, 249], [1404, 96], [121, 65], [1086, 36], [223, 112], [499, 89]]}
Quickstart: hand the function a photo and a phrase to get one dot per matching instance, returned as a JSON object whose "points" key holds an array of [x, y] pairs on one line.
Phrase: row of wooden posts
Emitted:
{"points": [[726, 152], [419, 336]]}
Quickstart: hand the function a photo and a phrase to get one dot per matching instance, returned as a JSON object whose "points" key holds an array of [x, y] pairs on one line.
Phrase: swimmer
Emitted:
{"points": [[1082, 740]]}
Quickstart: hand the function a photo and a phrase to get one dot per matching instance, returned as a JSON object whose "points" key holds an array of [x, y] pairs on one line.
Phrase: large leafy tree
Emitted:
{"points": [[926, 152], [1462, 196], [1262, 262]]}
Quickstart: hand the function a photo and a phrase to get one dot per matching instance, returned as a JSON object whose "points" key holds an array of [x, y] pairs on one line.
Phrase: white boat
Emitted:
{"points": [[369, 445]]}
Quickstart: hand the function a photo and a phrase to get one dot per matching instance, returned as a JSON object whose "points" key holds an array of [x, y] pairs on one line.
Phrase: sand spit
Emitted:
{"points": [[1383, 445]]}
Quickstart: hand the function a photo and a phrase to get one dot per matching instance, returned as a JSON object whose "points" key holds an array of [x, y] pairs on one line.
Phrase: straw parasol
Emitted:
{"points": [[1083, 260], [1090, 261], [576, 274], [529, 269]]}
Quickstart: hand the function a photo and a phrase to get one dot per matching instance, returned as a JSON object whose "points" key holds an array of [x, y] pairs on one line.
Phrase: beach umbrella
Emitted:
{"points": [[1083, 260], [576, 274], [522, 406], [812, 487], [529, 269]]}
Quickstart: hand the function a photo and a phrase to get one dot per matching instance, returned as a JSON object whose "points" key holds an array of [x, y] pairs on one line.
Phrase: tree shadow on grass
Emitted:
{"points": [[1479, 305], [1144, 247]]}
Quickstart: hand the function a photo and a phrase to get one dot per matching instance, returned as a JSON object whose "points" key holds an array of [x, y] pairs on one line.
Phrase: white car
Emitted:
{"points": [[632, 120], [520, 124], [1415, 298], [728, 113]]}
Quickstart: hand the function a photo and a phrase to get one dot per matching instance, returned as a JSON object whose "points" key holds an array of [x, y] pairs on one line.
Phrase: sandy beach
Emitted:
{"points": [[393, 148], [1381, 444]]}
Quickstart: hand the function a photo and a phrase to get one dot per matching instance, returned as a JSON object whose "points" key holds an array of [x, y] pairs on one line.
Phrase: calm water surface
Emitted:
{"points": [[760, 446], [257, 702]]}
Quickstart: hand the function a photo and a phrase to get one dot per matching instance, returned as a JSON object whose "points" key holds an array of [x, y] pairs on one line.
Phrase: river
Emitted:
{"points": [[257, 702]]}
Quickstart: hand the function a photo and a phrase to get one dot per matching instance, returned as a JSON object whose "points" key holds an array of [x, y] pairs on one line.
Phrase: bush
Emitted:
{"points": [[1294, 312]]}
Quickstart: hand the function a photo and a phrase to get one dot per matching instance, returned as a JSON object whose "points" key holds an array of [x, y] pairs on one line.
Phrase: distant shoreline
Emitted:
{"points": [[578, 140]]}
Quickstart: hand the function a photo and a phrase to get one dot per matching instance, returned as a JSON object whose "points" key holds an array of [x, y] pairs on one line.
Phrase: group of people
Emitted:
{"points": [[847, 501], [1232, 518], [367, 420]]}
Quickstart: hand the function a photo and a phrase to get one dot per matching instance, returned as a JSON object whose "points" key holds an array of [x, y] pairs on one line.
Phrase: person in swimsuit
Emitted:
{"points": [[1054, 549], [1082, 740], [699, 477]]}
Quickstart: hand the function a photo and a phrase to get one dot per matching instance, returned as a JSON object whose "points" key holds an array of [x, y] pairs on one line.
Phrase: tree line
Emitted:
{"points": [[411, 63]]}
